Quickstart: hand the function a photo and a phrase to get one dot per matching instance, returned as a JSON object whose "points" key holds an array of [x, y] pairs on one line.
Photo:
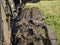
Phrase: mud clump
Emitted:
{"points": [[29, 28]]}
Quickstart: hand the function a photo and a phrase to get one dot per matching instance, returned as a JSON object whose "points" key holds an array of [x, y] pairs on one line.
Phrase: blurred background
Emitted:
{"points": [[51, 12]]}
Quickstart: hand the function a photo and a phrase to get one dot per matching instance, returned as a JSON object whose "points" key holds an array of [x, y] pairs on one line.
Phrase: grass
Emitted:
{"points": [[51, 11], [50, 0]]}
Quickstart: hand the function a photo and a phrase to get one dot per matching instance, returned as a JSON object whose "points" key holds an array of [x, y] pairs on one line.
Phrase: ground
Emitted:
{"points": [[51, 12]]}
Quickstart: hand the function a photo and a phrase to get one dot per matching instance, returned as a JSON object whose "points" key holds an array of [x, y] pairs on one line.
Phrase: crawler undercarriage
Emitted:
{"points": [[23, 26]]}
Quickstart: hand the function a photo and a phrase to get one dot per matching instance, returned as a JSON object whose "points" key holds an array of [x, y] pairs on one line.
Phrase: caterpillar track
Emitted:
{"points": [[23, 26]]}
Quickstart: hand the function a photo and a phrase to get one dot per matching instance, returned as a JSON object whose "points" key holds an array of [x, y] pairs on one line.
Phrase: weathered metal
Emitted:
{"points": [[1, 27], [51, 35]]}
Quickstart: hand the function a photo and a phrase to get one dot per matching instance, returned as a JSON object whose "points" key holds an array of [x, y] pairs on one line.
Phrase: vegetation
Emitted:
{"points": [[50, 0], [51, 11]]}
